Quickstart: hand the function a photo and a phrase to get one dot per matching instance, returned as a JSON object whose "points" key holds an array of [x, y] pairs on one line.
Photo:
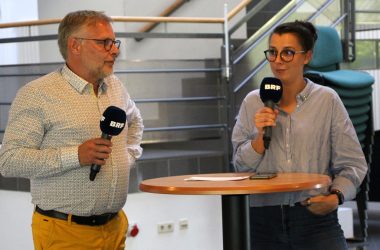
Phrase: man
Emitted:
{"points": [[53, 137]]}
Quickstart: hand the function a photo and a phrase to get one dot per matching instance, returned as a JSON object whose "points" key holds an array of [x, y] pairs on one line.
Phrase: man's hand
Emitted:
{"points": [[322, 204], [94, 151]]}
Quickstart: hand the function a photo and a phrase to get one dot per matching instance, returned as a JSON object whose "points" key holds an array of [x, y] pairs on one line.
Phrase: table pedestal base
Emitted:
{"points": [[235, 222]]}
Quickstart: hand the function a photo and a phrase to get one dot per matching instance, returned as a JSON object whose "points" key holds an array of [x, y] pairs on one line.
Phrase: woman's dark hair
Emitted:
{"points": [[305, 32]]}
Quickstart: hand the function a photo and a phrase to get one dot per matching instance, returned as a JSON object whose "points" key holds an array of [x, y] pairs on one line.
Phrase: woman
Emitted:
{"points": [[311, 133]]}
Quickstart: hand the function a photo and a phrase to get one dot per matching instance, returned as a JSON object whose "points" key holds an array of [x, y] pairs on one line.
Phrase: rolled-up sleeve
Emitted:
{"points": [[349, 166], [135, 130], [245, 158]]}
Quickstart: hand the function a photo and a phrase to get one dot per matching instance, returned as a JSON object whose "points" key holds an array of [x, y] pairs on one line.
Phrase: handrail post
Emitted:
{"points": [[226, 70], [349, 53], [226, 78]]}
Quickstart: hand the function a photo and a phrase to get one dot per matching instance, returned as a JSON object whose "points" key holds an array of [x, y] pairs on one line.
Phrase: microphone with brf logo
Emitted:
{"points": [[111, 124], [270, 94]]}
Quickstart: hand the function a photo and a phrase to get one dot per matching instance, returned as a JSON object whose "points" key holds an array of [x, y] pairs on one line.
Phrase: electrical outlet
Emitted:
{"points": [[165, 227], [183, 223]]}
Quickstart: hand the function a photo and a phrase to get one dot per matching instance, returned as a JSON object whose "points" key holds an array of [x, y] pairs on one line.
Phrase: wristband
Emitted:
{"points": [[339, 194]]}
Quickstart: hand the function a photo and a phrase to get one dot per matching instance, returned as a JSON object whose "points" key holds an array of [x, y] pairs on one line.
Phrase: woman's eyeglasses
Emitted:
{"points": [[286, 55]]}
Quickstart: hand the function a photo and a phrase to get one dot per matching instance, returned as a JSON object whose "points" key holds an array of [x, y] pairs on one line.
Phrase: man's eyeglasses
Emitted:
{"points": [[286, 55], [107, 43]]}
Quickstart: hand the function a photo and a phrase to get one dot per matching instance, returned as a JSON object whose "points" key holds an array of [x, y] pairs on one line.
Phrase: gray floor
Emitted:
{"points": [[373, 240]]}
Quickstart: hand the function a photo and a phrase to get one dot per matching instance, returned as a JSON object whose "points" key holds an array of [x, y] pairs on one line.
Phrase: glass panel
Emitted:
{"points": [[367, 5], [365, 56], [329, 15], [367, 18]]}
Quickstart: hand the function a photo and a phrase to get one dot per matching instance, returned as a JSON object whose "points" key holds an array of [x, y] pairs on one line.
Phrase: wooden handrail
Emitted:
{"points": [[167, 12], [237, 9], [231, 14], [169, 19], [122, 19], [30, 23]]}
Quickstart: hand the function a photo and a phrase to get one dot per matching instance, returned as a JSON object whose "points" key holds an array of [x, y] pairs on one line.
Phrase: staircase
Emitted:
{"points": [[269, 10]]}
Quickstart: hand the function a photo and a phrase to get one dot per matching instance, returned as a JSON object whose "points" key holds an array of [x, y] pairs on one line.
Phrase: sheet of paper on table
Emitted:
{"points": [[219, 178]]}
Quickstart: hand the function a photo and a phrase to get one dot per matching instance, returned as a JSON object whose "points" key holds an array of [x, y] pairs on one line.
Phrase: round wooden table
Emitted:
{"points": [[235, 203]]}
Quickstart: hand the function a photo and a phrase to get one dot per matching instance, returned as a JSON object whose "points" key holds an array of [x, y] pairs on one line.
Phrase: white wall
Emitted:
{"points": [[146, 210], [16, 216], [10, 11], [203, 214]]}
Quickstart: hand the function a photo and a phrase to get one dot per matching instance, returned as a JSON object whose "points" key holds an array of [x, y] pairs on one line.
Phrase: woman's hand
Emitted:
{"points": [[264, 117], [322, 204]]}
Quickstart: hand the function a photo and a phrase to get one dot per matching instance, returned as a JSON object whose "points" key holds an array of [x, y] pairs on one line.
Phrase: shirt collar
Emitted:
{"points": [[78, 83], [304, 94]]}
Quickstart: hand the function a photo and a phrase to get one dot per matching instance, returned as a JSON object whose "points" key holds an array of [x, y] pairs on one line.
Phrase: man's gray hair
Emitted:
{"points": [[73, 21]]}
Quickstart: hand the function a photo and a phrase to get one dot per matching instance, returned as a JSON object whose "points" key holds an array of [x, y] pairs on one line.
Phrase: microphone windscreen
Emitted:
{"points": [[113, 121], [271, 89]]}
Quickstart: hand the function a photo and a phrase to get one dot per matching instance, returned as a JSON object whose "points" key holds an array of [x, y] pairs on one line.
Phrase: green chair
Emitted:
{"points": [[327, 56], [357, 101]]}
